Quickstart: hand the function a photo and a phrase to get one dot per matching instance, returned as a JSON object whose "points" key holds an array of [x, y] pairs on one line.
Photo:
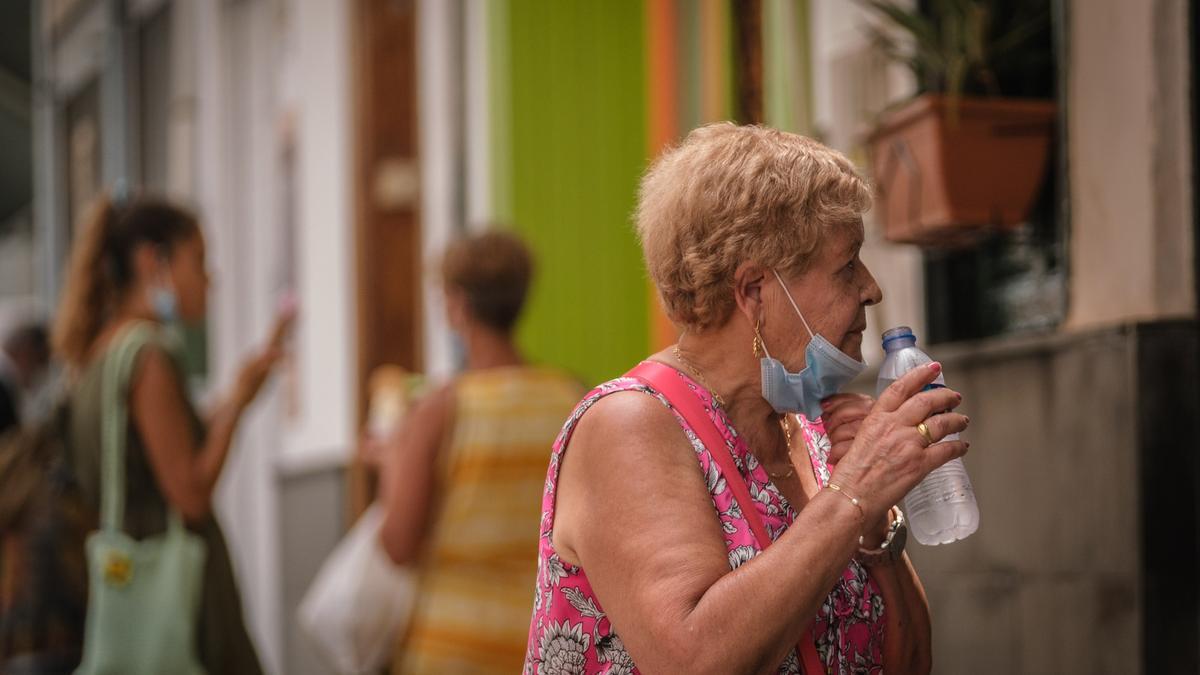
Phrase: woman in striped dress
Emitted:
{"points": [[463, 479]]}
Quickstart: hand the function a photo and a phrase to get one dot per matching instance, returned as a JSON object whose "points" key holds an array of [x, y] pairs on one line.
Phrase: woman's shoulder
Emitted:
{"points": [[151, 347], [520, 384], [145, 337], [525, 372], [625, 414]]}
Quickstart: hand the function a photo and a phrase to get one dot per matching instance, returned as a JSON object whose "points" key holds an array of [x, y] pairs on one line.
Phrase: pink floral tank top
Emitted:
{"points": [[569, 632]]}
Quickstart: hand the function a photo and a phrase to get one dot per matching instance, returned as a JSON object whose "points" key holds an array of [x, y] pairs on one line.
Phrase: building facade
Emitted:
{"points": [[333, 148]]}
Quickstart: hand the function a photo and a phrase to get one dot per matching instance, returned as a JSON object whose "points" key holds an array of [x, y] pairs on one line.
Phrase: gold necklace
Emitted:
{"points": [[699, 376], [787, 433]]}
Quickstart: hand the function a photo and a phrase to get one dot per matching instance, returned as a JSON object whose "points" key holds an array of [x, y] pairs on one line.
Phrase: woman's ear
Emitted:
{"points": [[748, 282], [147, 263]]}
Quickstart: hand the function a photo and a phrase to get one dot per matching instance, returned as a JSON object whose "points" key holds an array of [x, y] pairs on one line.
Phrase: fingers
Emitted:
{"points": [[844, 433], [940, 453], [838, 450], [909, 384], [370, 450], [271, 357], [836, 402], [284, 321], [941, 426], [927, 403], [846, 411]]}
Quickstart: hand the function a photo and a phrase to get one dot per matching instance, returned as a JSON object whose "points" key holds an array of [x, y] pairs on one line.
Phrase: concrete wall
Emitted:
{"points": [[1050, 582], [1131, 250]]}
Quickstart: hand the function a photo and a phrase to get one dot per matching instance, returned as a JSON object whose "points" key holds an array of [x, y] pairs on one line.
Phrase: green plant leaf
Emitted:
{"points": [[1018, 36], [958, 46], [920, 27]]}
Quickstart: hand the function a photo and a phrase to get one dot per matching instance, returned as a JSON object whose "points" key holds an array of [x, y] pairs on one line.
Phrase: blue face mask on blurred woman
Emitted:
{"points": [[826, 370], [165, 303], [163, 300]]}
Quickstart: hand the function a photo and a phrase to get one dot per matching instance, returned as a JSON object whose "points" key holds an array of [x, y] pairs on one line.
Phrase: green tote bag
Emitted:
{"points": [[143, 595]]}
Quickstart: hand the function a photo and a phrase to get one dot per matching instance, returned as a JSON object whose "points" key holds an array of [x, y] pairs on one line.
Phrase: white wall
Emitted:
{"points": [[264, 72], [326, 335], [440, 88], [1130, 176], [233, 149]]}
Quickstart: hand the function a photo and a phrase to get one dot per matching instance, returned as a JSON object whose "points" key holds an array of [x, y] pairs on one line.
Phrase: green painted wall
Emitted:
{"points": [[572, 99], [787, 65]]}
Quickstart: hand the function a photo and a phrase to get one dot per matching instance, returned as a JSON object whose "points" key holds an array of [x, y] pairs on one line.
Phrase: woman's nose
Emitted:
{"points": [[872, 293]]}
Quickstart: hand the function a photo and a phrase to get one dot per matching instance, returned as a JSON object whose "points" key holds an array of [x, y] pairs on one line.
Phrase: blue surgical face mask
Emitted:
{"points": [[826, 370], [164, 303], [458, 352]]}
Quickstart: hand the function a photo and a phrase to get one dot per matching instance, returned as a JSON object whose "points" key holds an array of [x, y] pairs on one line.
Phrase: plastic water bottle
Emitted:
{"points": [[941, 508]]}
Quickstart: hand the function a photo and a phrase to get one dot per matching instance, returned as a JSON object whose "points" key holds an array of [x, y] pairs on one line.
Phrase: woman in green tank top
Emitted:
{"points": [[144, 261]]}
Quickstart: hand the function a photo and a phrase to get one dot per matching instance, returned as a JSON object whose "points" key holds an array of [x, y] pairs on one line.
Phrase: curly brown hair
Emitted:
{"points": [[729, 194]]}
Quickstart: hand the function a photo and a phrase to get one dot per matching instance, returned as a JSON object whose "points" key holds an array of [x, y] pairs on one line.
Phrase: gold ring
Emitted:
{"points": [[924, 431]]}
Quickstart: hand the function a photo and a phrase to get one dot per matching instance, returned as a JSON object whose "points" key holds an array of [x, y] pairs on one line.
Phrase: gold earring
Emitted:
{"points": [[758, 341]]}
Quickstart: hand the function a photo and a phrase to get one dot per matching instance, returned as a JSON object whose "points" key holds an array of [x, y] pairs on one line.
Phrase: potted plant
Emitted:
{"points": [[968, 155]]}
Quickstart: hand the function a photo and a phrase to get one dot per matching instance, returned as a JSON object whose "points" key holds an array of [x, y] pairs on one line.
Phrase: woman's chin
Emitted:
{"points": [[852, 345]]}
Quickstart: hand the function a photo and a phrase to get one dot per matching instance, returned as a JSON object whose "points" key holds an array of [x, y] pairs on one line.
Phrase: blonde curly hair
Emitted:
{"points": [[730, 194]]}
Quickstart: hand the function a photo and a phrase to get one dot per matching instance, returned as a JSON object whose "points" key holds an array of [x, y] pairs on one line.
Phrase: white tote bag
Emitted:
{"points": [[359, 602]]}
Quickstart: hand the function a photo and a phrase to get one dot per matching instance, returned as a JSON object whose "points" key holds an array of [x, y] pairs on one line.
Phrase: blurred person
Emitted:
{"points": [[144, 261], [24, 363], [463, 476], [648, 561]]}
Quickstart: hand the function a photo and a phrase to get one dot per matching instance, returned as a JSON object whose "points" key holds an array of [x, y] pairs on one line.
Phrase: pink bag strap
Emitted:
{"points": [[666, 380]]}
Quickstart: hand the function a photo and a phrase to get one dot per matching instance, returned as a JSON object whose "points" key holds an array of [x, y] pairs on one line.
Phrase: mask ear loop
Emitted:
{"points": [[794, 306]]}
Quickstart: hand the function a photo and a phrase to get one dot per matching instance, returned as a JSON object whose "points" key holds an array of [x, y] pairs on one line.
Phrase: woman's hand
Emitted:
{"points": [[888, 456], [371, 450], [907, 644], [258, 367], [842, 415]]}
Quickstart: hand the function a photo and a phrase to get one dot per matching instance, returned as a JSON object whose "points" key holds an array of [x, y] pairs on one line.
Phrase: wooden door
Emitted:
{"points": [[386, 199]]}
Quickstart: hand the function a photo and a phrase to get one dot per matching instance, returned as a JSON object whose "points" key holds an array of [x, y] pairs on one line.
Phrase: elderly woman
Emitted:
{"points": [[722, 507]]}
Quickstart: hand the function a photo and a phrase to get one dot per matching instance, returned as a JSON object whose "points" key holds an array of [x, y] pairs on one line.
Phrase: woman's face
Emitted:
{"points": [[189, 278], [833, 293]]}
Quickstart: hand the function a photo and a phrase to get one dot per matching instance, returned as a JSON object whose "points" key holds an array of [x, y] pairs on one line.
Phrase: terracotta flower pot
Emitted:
{"points": [[944, 176]]}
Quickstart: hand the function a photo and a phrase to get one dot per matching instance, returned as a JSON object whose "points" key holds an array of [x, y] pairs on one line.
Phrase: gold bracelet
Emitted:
{"points": [[853, 500]]}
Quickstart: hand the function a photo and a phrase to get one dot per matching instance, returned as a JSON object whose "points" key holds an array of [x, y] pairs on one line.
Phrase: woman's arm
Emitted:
{"points": [[638, 517], [634, 511], [907, 634], [186, 474], [408, 475]]}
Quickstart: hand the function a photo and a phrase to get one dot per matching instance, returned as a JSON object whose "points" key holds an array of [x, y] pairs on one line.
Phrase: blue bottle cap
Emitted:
{"points": [[898, 333]]}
